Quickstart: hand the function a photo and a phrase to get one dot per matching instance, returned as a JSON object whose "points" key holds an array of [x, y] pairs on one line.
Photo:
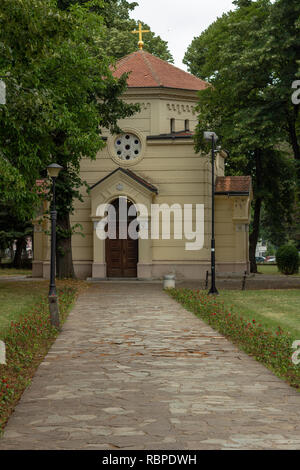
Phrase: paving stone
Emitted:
{"points": [[132, 369]]}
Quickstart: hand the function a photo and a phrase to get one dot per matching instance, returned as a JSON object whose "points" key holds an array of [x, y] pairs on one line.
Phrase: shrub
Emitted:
{"points": [[287, 258]]}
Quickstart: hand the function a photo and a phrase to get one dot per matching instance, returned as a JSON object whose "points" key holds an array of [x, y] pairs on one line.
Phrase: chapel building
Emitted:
{"points": [[153, 161]]}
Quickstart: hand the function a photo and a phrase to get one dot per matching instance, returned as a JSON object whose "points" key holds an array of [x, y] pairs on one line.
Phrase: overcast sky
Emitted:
{"points": [[179, 21]]}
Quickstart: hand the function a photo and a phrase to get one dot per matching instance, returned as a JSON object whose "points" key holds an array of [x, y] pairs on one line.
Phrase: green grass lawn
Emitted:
{"points": [[272, 308], [271, 269], [17, 298], [264, 324], [15, 272], [27, 333]]}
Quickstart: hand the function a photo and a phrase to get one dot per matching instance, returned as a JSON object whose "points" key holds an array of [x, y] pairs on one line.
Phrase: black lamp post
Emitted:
{"points": [[53, 172], [211, 136]]}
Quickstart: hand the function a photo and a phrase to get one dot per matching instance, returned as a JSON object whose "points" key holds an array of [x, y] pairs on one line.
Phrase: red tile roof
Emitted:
{"points": [[172, 135], [233, 184], [150, 71]]}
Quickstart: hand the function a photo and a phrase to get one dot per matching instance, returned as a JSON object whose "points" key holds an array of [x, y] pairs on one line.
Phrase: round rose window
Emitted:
{"points": [[128, 146]]}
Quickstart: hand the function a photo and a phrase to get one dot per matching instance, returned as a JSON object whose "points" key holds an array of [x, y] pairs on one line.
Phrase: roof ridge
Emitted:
{"points": [[125, 57], [154, 74], [138, 177]]}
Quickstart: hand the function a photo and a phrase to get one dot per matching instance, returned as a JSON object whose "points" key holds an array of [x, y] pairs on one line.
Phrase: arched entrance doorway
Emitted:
{"points": [[121, 251]]}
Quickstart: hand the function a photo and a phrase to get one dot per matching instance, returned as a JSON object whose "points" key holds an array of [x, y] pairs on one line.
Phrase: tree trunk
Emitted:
{"points": [[294, 138], [11, 251], [253, 239], [20, 246], [64, 259]]}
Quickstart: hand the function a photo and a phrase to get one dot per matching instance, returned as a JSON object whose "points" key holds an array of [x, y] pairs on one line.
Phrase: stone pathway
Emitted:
{"points": [[132, 369]]}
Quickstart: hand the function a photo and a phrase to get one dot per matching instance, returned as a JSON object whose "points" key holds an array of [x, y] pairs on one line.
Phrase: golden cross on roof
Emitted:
{"points": [[140, 32]]}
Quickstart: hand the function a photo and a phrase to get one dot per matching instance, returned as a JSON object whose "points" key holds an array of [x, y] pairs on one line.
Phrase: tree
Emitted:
{"points": [[281, 51], [109, 10], [13, 229], [116, 34], [61, 92], [13, 188], [241, 106]]}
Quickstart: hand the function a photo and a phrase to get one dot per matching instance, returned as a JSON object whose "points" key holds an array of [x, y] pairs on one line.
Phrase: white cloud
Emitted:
{"points": [[179, 21]]}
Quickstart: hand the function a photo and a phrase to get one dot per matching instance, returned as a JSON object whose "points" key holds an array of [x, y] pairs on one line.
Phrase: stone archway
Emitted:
{"points": [[122, 183]]}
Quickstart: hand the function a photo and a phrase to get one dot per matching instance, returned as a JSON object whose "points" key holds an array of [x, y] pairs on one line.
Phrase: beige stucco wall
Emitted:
{"points": [[180, 175]]}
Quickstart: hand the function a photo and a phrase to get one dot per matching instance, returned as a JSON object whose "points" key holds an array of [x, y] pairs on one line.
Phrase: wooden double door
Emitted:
{"points": [[121, 253]]}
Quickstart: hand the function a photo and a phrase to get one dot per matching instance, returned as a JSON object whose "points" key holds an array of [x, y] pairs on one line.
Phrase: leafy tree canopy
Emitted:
{"points": [[248, 102], [60, 94], [116, 38]]}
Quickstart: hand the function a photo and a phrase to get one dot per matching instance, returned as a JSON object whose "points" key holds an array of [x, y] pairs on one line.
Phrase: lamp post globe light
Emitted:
{"points": [[53, 172], [212, 137]]}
